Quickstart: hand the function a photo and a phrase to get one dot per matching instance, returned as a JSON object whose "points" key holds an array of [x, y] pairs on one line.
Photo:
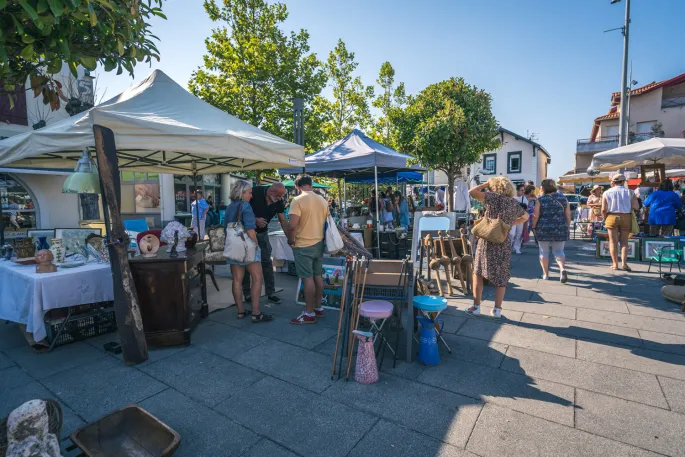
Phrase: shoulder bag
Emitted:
{"points": [[238, 246], [332, 239], [491, 230]]}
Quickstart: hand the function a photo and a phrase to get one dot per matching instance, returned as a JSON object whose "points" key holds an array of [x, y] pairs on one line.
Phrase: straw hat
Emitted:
{"points": [[618, 178], [595, 187]]}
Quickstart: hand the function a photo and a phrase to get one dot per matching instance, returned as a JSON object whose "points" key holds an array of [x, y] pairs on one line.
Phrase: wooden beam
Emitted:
{"points": [[126, 309]]}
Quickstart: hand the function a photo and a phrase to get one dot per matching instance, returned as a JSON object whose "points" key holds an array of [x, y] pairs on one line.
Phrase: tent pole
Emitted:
{"points": [[378, 214], [342, 203], [197, 202]]}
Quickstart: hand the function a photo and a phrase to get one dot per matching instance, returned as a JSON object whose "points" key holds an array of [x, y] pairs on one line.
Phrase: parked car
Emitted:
{"points": [[574, 203]]}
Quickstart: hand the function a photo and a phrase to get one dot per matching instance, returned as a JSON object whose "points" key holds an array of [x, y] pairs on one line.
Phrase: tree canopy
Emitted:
{"points": [[390, 102], [38, 36], [447, 126], [253, 69], [349, 107]]}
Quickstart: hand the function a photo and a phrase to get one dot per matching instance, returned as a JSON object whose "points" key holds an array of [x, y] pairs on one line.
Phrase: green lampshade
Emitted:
{"points": [[81, 183], [84, 179]]}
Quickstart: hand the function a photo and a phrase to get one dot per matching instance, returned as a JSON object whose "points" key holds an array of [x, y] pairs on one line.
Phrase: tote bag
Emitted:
{"points": [[332, 238], [238, 246]]}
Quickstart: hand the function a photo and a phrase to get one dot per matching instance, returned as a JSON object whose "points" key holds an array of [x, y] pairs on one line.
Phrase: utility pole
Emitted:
{"points": [[622, 127]]}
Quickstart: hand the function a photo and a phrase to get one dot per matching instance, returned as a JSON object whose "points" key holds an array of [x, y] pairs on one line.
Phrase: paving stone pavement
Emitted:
{"points": [[592, 367]]}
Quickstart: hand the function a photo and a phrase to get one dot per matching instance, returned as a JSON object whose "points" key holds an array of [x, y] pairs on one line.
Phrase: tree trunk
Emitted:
{"points": [[126, 309], [450, 187], [340, 196]]}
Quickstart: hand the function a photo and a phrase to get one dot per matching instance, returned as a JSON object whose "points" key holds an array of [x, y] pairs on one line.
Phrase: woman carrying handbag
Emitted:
{"points": [[493, 250], [242, 250]]}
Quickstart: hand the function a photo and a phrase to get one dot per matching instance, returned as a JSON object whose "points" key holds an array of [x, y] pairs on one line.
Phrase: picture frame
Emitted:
{"points": [[652, 246], [602, 249], [71, 235], [333, 276]]}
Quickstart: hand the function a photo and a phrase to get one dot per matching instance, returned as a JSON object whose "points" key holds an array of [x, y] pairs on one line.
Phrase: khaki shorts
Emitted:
{"points": [[623, 222], [308, 261]]}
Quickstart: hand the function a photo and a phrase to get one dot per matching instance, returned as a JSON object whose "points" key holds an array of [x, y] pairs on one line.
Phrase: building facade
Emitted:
{"points": [[654, 110], [519, 158]]}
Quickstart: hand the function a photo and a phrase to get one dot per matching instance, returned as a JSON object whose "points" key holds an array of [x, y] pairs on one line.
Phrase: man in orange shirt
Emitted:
{"points": [[308, 213]]}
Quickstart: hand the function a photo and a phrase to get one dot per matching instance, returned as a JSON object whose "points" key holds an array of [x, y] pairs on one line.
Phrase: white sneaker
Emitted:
{"points": [[496, 313], [545, 277], [517, 252], [475, 312]]}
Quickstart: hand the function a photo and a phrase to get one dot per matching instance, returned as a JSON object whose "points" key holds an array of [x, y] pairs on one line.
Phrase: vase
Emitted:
{"points": [[42, 243], [58, 250]]}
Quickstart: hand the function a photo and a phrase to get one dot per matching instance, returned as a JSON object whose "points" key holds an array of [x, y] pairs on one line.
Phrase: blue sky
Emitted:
{"points": [[547, 63]]}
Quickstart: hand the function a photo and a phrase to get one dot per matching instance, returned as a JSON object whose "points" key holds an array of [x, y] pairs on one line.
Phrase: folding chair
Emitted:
{"points": [[666, 255], [386, 281]]}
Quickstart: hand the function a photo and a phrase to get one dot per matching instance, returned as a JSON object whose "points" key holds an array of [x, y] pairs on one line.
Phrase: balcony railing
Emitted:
{"points": [[673, 101], [604, 143]]}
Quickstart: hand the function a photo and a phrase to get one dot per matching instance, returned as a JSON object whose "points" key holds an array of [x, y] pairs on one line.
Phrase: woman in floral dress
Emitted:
{"points": [[492, 261]]}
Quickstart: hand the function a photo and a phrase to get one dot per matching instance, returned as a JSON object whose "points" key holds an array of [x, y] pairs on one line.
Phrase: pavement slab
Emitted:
{"points": [[387, 439], [665, 310], [203, 376], [60, 359], [619, 382], [540, 398], [11, 336], [570, 328], [5, 362], [103, 386], [537, 306], [501, 432], [674, 327], [304, 368], [645, 360], [437, 413], [541, 340], [616, 306], [285, 413], [633, 423], [204, 432], [224, 340], [674, 390], [474, 350], [269, 448], [664, 342]]}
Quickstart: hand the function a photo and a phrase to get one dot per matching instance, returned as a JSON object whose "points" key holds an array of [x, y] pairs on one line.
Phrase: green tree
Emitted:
{"points": [[447, 127], [389, 102], [349, 108], [38, 36], [253, 69]]}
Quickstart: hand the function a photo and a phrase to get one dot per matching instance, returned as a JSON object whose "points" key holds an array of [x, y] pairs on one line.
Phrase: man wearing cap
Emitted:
{"points": [[618, 204]]}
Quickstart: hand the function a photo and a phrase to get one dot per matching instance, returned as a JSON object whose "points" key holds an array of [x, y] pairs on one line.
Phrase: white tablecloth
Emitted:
{"points": [[281, 250], [25, 296]]}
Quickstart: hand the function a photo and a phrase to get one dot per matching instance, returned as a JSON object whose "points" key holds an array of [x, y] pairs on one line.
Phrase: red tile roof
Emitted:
{"points": [[612, 114], [616, 96]]}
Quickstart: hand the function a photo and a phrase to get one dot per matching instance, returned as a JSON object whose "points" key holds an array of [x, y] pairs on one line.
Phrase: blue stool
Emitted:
{"points": [[428, 342], [431, 306]]}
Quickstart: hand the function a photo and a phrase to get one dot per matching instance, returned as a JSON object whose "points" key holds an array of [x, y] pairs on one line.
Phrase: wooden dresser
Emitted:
{"points": [[172, 294]]}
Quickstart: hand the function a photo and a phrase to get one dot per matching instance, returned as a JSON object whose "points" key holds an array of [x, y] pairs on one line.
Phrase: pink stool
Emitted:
{"points": [[375, 310]]}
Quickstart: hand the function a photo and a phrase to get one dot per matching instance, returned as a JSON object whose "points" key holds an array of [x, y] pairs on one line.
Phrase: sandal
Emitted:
{"points": [[614, 268], [244, 314], [261, 317], [626, 268]]}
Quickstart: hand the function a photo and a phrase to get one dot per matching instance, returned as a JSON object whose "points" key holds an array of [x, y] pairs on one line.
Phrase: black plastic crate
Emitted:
{"points": [[291, 268], [81, 326]]}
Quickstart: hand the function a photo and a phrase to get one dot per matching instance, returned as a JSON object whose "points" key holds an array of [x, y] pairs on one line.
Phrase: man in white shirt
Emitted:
{"points": [[517, 230]]}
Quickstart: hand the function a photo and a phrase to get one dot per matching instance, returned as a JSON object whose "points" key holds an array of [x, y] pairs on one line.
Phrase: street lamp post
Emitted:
{"points": [[622, 128]]}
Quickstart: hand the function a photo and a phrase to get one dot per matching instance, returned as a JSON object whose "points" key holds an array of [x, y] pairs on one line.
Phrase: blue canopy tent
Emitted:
{"points": [[412, 177], [355, 157]]}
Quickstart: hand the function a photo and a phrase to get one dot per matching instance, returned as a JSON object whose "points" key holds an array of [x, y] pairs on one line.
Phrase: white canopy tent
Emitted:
{"points": [[158, 127], [655, 150]]}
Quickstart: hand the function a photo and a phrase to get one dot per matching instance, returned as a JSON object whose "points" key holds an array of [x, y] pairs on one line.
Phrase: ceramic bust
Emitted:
{"points": [[148, 245], [44, 262]]}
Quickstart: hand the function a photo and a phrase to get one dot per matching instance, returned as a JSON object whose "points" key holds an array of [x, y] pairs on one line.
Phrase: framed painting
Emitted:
{"points": [[71, 236], [333, 276], [653, 246], [604, 253]]}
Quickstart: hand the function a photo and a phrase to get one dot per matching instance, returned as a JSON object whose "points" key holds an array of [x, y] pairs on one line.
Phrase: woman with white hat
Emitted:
{"points": [[618, 204]]}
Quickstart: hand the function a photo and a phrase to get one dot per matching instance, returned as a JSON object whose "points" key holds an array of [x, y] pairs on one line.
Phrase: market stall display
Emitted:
{"points": [[26, 295]]}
